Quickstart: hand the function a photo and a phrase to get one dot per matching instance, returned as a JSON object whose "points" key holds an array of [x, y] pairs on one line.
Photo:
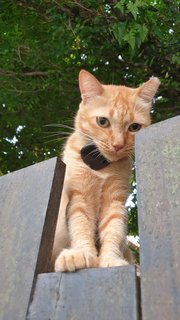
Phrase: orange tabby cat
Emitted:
{"points": [[98, 169]]}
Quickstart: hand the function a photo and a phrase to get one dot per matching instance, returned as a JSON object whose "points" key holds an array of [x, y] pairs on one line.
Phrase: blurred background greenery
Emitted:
{"points": [[45, 43]]}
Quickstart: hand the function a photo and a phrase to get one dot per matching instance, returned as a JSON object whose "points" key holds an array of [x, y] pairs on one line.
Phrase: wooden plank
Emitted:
{"points": [[98, 294], [158, 186], [29, 198]]}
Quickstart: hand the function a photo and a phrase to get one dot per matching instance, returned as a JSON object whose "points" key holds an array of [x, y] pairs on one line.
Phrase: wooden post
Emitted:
{"points": [[29, 206], [158, 186]]}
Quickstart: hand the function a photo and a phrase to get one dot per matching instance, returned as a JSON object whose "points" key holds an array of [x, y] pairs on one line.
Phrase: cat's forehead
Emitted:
{"points": [[115, 113], [121, 113], [123, 97], [114, 103]]}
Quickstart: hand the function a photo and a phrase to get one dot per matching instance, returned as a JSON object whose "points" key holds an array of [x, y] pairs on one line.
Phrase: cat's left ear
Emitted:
{"points": [[148, 90], [89, 86]]}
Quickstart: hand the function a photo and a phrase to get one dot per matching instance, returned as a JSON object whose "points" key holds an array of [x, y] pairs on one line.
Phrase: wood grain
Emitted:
{"points": [[29, 200], [158, 186], [98, 294]]}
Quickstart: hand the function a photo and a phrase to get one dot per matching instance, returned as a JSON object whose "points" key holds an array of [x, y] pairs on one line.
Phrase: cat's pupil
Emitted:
{"points": [[134, 127], [102, 121]]}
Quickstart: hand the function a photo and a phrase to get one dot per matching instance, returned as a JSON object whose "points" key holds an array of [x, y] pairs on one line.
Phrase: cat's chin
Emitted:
{"points": [[115, 157]]}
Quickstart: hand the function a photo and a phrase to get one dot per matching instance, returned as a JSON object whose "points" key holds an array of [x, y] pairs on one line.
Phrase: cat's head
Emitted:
{"points": [[110, 115]]}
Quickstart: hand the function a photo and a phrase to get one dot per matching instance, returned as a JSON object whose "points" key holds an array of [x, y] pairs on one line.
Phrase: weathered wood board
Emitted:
{"points": [[29, 200], [91, 294], [158, 186]]}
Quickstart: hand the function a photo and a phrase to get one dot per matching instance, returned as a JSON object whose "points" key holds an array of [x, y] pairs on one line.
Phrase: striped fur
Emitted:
{"points": [[91, 229]]}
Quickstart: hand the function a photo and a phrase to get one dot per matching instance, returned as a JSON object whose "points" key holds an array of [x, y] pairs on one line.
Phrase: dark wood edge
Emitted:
{"points": [[48, 233], [47, 239]]}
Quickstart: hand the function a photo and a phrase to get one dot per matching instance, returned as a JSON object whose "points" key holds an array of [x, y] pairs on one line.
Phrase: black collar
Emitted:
{"points": [[91, 156]]}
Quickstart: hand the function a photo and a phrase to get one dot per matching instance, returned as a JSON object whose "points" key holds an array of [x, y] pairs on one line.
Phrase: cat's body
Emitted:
{"points": [[92, 220]]}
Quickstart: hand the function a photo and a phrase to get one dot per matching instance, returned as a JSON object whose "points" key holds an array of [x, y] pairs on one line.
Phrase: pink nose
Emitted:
{"points": [[117, 147]]}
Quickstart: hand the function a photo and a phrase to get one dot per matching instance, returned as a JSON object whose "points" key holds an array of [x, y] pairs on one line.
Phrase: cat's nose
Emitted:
{"points": [[117, 147]]}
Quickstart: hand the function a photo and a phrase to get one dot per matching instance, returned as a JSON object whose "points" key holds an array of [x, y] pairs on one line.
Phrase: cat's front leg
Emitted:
{"points": [[112, 234], [81, 226]]}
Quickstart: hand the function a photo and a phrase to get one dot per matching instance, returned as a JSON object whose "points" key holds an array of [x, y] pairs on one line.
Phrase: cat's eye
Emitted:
{"points": [[134, 127], [102, 122]]}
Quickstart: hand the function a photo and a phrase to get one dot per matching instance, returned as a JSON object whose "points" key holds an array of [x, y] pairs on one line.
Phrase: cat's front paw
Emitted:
{"points": [[110, 261], [74, 259]]}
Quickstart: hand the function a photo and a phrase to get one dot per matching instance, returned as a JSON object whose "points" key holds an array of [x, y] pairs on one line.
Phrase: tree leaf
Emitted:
{"points": [[119, 31], [143, 31], [120, 5], [130, 38], [132, 8]]}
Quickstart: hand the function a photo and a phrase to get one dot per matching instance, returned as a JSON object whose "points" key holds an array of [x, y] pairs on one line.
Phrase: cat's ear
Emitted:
{"points": [[148, 90], [89, 86]]}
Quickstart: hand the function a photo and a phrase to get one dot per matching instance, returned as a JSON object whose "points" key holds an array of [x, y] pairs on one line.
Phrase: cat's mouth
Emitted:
{"points": [[113, 155], [93, 158]]}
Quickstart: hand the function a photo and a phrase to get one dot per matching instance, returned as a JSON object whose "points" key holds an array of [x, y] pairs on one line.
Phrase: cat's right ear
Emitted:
{"points": [[89, 86]]}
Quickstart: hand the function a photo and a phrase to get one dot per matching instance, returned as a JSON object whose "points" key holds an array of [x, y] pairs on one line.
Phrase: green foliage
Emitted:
{"points": [[45, 43]]}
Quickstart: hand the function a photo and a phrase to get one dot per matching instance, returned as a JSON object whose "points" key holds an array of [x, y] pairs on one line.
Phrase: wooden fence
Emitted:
{"points": [[28, 213]]}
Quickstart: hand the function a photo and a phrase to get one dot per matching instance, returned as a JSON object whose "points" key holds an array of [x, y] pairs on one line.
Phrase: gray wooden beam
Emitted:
{"points": [[158, 186], [29, 203], [91, 294]]}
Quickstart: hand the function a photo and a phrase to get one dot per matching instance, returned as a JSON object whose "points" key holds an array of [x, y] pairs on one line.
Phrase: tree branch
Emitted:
{"points": [[24, 74]]}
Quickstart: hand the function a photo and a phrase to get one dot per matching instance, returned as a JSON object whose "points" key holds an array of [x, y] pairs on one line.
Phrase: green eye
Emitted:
{"points": [[102, 122], [134, 127]]}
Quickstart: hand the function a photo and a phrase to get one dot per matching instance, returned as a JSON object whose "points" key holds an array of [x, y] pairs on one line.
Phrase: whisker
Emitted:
{"points": [[93, 151], [98, 155], [57, 134], [69, 120], [59, 125], [57, 139], [77, 130]]}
